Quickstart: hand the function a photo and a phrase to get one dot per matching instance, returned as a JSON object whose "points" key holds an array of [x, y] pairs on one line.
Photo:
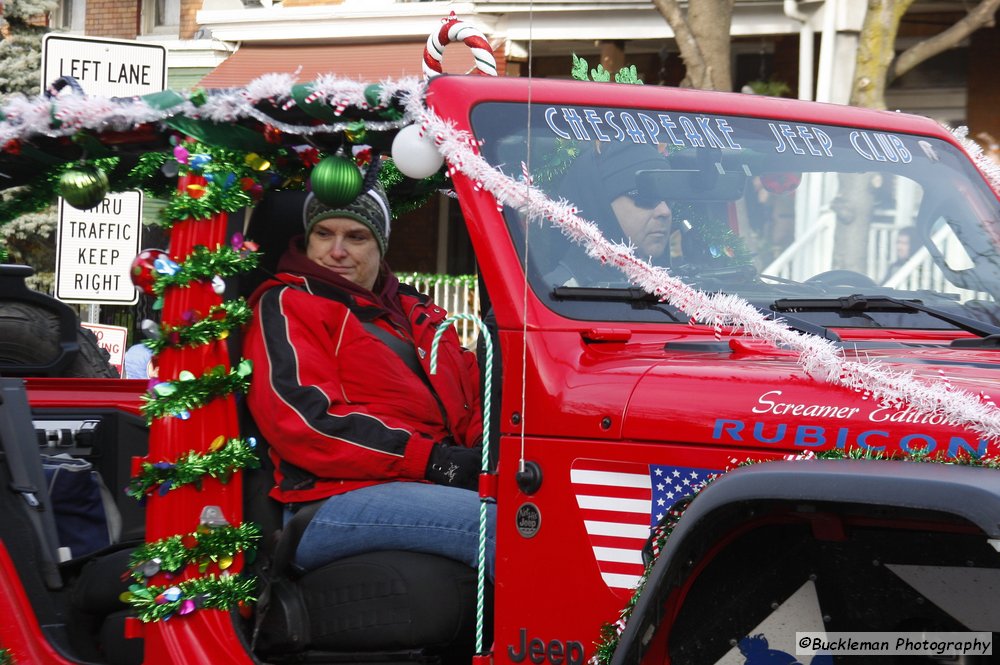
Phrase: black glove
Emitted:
{"points": [[455, 466]]}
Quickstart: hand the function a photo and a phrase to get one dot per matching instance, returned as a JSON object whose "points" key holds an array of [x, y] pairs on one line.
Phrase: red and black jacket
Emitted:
{"points": [[339, 408]]}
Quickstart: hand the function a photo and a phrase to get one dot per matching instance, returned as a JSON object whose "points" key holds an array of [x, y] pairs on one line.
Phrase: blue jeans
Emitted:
{"points": [[399, 516]]}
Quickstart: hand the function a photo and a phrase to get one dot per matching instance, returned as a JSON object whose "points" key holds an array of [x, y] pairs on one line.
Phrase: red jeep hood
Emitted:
{"points": [[761, 397]]}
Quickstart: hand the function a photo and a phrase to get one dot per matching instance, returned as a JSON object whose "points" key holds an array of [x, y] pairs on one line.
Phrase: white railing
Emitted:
{"points": [[457, 294], [922, 273], [808, 255], [811, 254]]}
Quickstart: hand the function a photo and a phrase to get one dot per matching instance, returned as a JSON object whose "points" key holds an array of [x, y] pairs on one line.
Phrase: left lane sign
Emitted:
{"points": [[105, 67]]}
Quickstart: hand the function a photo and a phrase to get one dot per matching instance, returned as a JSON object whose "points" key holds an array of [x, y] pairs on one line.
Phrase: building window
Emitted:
{"points": [[68, 15], [161, 16]]}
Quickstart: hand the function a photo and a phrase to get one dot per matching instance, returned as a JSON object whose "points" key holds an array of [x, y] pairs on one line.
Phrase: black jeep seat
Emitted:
{"points": [[378, 602], [388, 606], [96, 602]]}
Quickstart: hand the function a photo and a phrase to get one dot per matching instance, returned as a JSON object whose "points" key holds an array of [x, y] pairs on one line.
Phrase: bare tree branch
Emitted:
{"points": [[981, 15], [702, 34], [694, 59]]}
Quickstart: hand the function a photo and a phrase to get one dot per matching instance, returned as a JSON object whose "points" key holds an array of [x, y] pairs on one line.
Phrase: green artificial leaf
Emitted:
{"points": [[628, 75], [579, 70], [164, 100], [318, 108], [228, 135], [600, 74]]}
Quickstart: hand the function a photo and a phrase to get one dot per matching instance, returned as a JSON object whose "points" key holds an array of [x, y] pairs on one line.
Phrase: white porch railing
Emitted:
{"points": [[807, 255], [811, 254], [921, 273], [457, 294]]}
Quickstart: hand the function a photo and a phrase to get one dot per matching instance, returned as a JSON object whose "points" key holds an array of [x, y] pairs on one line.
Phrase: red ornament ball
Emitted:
{"points": [[142, 272], [781, 183]]}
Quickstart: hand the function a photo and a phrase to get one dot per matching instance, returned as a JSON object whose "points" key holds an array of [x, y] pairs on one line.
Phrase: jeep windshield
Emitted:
{"points": [[777, 212]]}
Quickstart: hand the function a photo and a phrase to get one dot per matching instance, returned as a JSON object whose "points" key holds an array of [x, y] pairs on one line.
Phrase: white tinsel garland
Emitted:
{"points": [[989, 166], [25, 117]]}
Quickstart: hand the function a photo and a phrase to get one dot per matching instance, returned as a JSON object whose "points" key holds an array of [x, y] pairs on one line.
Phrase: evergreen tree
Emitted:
{"points": [[21, 45], [30, 238]]}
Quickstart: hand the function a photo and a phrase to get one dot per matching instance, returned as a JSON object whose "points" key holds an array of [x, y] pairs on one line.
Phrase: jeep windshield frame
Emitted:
{"points": [[766, 208]]}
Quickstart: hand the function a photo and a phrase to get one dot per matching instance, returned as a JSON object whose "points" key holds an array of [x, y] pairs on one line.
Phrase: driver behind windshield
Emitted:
{"points": [[602, 184]]}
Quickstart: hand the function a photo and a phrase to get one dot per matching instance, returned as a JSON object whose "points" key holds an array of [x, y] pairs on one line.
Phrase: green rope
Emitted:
{"points": [[437, 279], [487, 393]]}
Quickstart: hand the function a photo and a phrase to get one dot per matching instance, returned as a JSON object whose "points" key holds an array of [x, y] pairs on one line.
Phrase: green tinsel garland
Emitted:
{"points": [[219, 592], [715, 232], [217, 324], [191, 467], [964, 458], [610, 633], [177, 398], [203, 547], [42, 193], [149, 166], [215, 199], [204, 264], [406, 194], [232, 175], [557, 162], [6, 657]]}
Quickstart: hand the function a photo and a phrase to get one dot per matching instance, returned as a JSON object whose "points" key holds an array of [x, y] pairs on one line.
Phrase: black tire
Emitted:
{"points": [[29, 335]]}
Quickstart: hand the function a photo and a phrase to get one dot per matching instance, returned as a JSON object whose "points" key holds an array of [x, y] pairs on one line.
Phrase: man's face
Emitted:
{"points": [[347, 247], [903, 246], [647, 227]]}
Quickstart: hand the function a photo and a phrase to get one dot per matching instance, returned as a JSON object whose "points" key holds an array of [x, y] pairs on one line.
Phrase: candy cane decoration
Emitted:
{"points": [[454, 30]]}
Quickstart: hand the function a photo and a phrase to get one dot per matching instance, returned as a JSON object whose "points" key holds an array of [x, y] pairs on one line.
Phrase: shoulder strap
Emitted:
{"points": [[408, 354], [402, 348]]}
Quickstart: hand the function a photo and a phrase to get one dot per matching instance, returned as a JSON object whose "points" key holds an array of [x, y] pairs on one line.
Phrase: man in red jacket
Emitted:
{"points": [[343, 393]]}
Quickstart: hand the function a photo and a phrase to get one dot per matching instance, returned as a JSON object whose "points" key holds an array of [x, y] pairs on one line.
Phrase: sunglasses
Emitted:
{"points": [[643, 199]]}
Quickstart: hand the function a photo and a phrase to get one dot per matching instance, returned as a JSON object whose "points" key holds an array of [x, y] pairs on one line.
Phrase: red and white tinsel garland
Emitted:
{"points": [[818, 357]]}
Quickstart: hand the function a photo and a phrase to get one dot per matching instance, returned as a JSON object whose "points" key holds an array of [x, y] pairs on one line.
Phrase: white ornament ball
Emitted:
{"points": [[415, 156], [218, 285], [151, 329]]}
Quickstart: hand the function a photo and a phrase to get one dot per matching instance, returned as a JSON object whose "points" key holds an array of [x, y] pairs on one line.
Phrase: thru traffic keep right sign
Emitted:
{"points": [[95, 249]]}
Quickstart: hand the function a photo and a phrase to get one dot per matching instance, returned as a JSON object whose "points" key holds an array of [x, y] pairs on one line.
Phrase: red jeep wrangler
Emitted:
{"points": [[824, 285]]}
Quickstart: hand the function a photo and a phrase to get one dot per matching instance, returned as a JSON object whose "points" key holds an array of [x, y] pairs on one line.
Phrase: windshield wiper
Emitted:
{"points": [[860, 304], [639, 298], [801, 325], [626, 293]]}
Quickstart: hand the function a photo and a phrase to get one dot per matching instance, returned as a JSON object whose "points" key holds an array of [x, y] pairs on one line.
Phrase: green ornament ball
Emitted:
{"points": [[336, 181], [83, 186]]}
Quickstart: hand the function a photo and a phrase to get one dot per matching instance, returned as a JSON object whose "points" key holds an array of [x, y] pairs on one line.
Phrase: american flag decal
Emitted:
{"points": [[619, 502]]}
